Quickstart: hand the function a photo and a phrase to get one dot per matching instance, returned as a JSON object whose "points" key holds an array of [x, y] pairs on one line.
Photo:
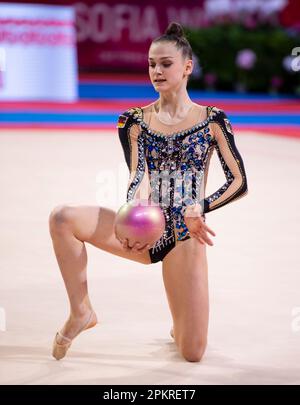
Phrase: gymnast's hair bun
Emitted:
{"points": [[175, 30]]}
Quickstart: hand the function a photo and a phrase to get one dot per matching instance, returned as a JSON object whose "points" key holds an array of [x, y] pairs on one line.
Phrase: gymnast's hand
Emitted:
{"points": [[196, 226], [136, 248]]}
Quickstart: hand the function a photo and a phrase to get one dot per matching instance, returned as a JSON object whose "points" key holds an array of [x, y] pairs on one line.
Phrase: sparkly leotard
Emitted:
{"points": [[171, 169]]}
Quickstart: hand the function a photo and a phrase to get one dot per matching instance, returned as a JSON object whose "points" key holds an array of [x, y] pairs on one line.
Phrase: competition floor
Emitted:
{"points": [[254, 278]]}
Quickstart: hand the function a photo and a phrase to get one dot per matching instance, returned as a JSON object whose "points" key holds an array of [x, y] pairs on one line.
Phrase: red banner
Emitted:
{"points": [[117, 35]]}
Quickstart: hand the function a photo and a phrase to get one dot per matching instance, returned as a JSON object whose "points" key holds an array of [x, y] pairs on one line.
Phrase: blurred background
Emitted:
{"points": [[79, 64], [67, 70]]}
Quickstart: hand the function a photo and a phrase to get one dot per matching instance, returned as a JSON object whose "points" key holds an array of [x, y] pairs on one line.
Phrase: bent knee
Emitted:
{"points": [[193, 352], [60, 216]]}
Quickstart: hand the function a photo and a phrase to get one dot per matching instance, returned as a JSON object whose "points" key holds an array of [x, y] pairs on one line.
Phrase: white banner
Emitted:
{"points": [[38, 59]]}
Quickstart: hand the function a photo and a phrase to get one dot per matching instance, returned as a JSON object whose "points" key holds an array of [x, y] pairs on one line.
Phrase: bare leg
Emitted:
{"points": [[71, 256], [70, 227], [186, 283]]}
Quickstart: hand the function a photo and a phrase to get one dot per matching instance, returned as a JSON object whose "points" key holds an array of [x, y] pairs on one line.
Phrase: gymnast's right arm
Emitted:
{"points": [[138, 183], [133, 149]]}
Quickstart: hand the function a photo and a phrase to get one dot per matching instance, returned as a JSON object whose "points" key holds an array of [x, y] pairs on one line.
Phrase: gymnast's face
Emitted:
{"points": [[168, 69]]}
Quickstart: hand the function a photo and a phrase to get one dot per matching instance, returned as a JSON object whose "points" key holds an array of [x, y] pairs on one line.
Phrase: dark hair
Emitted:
{"points": [[174, 33]]}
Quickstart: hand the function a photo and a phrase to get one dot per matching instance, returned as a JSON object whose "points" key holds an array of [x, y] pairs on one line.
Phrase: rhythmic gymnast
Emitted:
{"points": [[173, 137]]}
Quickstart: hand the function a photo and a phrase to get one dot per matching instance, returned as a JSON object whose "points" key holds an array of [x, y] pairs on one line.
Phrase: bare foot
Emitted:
{"points": [[172, 333], [75, 325]]}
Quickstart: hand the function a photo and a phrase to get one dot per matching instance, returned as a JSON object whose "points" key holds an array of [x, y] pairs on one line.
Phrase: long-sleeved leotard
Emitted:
{"points": [[171, 168]]}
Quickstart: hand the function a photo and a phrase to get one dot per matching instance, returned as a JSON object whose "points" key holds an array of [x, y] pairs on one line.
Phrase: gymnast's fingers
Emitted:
{"points": [[144, 248], [203, 236], [209, 230], [125, 245]]}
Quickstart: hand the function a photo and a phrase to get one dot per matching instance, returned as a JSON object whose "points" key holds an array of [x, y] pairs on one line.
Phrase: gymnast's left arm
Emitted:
{"points": [[232, 163], [235, 186]]}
